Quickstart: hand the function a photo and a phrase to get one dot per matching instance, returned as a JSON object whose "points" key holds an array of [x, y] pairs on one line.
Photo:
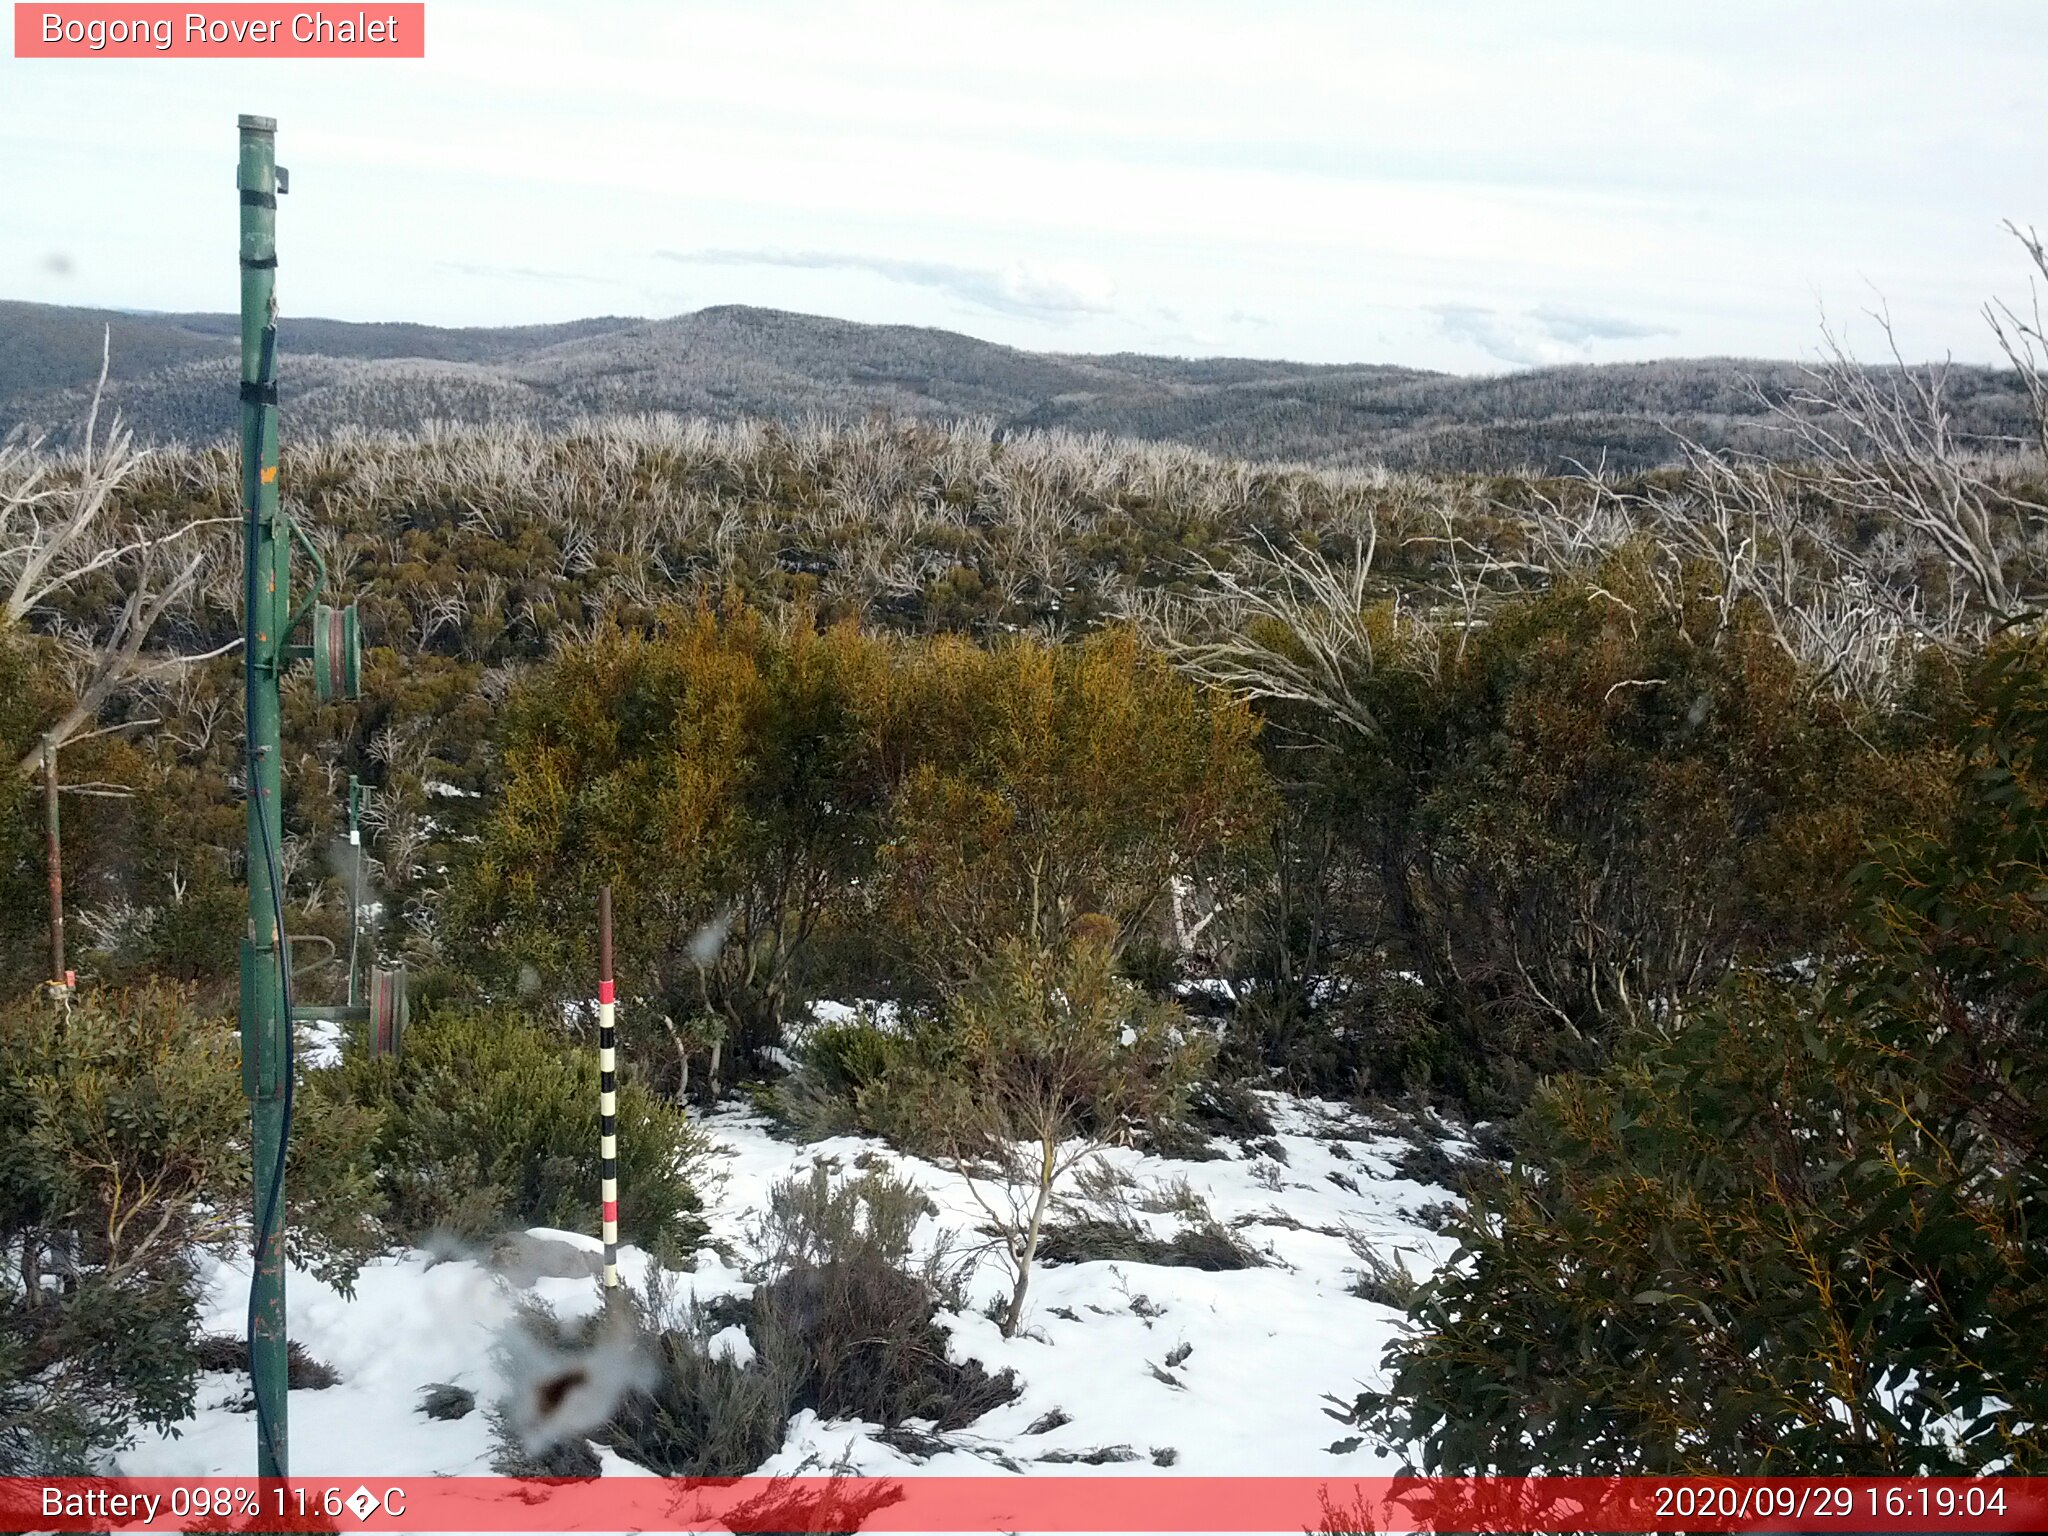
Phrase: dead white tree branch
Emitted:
{"points": [[1291, 628], [59, 529]]}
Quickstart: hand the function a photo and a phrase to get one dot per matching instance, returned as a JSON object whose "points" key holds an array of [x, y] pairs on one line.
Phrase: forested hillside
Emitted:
{"points": [[173, 380]]}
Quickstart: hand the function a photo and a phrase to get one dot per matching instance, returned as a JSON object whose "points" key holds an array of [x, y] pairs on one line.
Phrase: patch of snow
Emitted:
{"points": [[883, 1015], [731, 1344], [1253, 1351], [319, 1043]]}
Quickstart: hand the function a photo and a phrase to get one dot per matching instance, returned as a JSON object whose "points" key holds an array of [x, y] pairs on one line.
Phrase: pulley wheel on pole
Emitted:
{"points": [[388, 1010], [337, 653]]}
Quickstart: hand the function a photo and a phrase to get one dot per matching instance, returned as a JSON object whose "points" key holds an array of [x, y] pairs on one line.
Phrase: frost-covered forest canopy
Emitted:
{"points": [[1667, 833], [733, 362]]}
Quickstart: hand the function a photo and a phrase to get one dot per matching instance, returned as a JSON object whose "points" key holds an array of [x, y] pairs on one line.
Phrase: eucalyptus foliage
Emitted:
{"points": [[1800, 1228]]}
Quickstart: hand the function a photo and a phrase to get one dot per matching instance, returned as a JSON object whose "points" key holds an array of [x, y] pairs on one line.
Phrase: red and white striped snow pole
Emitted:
{"points": [[607, 1091]]}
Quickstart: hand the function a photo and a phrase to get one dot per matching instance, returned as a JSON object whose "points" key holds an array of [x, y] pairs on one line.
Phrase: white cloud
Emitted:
{"points": [[534, 274], [1022, 288], [1375, 180], [1547, 334], [1583, 327]]}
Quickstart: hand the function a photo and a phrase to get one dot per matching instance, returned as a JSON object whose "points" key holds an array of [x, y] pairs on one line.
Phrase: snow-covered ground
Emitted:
{"points": [[1208, 1373]]}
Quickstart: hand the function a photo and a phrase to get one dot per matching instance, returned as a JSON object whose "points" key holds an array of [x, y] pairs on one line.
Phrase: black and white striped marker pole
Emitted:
{"points": [[608, 1091]]}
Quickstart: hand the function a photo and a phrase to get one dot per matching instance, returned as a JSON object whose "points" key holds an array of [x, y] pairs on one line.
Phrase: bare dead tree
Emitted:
{"points": [[58, 532], [1291, 628], [1951, 548], [2022, 337], [442, 610], [1882, 442]]}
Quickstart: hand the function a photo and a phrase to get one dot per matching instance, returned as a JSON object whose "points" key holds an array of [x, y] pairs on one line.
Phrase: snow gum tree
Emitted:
{"points": [[1056, 782], [1056, 1059]]}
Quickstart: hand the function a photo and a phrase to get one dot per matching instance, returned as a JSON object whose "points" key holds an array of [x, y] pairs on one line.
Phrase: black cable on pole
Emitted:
{"points": [[267, 1222]]}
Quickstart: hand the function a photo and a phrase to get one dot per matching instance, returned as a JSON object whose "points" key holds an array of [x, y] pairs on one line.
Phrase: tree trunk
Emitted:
{"points": [[1030, 1251], [32, 1269]]}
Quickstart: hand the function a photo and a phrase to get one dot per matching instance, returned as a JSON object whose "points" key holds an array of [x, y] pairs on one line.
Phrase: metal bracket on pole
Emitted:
{"points": [[385, 1014]]}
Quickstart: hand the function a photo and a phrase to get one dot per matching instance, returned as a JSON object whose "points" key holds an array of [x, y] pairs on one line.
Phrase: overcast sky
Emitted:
{"points": [[1470, 186]]}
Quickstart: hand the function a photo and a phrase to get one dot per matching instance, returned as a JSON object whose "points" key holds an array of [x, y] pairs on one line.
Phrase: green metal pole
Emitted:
{"points": [[265, 1020]]}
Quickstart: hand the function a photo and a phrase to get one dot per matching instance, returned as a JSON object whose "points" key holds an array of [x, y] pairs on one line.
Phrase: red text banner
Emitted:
{"points": [[1106, 1503], [114, 31]]}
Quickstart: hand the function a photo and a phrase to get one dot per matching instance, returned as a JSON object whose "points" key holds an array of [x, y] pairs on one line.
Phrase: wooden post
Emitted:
{"points": [[59, 982], [607, 1093]]}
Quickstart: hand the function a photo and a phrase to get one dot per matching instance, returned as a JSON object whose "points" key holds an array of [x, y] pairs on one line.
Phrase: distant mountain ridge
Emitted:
{"points": [[172, 378]]}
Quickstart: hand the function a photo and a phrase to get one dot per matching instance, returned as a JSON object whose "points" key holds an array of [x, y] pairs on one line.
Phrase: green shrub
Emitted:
{"points": [[1057, 1057], [838, 1064], [844, 1058], [1379, 1036], [445, 1401], [1228, 1106], [1207, 1245], [1740, 1250], [901, 1082], [723, 772], [707, 1415], [847, 1321], [100, 845], [126, 1134], [754, 784], [23, 880], [1024, 812], [1102, 1219], [229, 1352], [79, 1371], [1381, 1276], [1798, 1229], [1585, 810], [489, 1121], [819, 1221]]}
